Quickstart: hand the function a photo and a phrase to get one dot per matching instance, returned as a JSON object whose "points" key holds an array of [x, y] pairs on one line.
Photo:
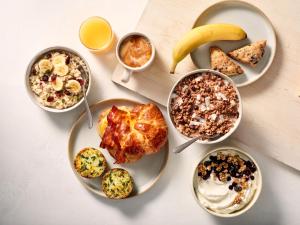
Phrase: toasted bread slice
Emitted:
{"points": [[221, 62], [249, 54]]}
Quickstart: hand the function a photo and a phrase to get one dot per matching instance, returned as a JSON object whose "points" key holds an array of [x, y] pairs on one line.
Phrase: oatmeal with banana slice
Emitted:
{"points": [[56, 79]]}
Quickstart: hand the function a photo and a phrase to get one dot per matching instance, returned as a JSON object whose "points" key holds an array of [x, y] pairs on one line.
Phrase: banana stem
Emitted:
{"points": [[172, 68]]}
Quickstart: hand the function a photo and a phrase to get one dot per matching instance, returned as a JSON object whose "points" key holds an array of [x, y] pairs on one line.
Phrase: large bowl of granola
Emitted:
{"points": [[205, 103], [55, 78]]}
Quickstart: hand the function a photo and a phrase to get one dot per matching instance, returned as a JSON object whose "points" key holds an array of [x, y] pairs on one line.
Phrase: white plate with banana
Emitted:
{"points": [[232, 37], [55, 78]]}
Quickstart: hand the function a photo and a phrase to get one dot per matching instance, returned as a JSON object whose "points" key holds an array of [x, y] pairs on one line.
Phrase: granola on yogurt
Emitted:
{"points": [[204, 104], [56, 79]]}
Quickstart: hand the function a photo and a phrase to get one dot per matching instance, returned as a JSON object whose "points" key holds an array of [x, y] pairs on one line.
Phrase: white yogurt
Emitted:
{"points": [[216, 196]]}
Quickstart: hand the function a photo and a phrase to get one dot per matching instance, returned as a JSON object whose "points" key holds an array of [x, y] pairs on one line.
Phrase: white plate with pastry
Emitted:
{"points": [[133, 138], [243, 63]]}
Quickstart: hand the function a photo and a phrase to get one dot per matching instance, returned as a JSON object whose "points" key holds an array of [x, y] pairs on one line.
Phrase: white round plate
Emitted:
{"points": [[253, 21], [145, 172]]}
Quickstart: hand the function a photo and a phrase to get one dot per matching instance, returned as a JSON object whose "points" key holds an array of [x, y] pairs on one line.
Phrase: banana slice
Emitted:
{"points": [[73, 86], [61, 70], [59, 60], [45, 65], [57, 84]]}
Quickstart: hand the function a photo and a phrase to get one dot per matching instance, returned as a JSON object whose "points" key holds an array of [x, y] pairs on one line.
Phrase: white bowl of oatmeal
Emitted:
{"points": [[227, 182], [205, 103], [54, 79]]}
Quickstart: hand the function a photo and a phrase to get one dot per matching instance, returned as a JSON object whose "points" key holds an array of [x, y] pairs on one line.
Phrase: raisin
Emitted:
{"points": [[81, 81], [50, 99], [68, 60], [53, 77], [237, 188], [66, 92], [45, 78], [207, 163]]}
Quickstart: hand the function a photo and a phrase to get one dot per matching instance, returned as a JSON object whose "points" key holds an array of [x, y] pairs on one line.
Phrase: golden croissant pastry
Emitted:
{"points": [[128, 134]]}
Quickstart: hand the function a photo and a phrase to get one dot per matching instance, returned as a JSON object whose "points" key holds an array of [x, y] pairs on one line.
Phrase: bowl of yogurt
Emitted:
{"points": [[227, 182]]}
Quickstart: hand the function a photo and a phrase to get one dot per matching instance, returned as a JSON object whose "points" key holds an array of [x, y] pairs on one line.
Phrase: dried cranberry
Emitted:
{"points": [[33, 71], [45, 78], [50, 99], [48, 55], [81, 81], [66, 92], [59, 93], [53, 77]]}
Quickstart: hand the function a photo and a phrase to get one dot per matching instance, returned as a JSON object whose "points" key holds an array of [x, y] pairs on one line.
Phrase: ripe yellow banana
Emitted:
{"points": [[203, 34]]}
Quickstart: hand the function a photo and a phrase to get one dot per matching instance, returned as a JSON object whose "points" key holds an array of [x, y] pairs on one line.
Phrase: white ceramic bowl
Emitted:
{"points": [[130, 70], [237, 122], [31, 94], [244, 155]]}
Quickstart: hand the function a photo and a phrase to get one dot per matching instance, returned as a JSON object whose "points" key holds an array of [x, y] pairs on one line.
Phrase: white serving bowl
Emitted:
{"points": [[237, 122], [242, 154], [31, 94]]}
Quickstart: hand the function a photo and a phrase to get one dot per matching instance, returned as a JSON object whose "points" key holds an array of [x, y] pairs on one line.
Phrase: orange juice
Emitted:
{"points": [[96, 34]]}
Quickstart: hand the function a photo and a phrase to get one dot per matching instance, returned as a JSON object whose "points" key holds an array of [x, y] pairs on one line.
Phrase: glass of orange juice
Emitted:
{"points": [[96, 34]]}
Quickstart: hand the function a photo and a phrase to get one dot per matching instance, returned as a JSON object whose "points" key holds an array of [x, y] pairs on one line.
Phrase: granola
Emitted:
{"points": [[204, 104]]}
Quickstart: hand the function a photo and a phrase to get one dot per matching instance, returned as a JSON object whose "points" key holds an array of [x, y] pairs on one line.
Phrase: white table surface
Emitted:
{"points": [[37, 185]]}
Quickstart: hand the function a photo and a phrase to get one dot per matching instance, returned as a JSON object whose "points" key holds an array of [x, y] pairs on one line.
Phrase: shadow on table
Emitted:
{"points": [[267, 80], [108, 59]]}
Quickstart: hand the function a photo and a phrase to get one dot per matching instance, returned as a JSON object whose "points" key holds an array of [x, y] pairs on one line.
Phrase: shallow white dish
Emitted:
{"points": [[243, 155], [40, 54], [145, 172], [253, 21], [237, 122]]}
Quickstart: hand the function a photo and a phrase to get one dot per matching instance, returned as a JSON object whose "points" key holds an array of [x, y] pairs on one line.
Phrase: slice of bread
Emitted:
{"points": [[249, 54], [221, 62]]}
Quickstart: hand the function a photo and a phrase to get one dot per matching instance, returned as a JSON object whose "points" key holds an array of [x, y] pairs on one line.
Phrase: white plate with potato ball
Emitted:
{"points": [[144, 172], [256, 25]]}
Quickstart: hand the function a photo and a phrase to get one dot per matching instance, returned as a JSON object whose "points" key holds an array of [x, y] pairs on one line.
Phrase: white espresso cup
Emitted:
{"points": [[129, 70]]}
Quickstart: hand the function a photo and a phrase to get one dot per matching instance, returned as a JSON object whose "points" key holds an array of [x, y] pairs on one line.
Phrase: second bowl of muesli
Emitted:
{"points": [[55, 78], [206, 104]]}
